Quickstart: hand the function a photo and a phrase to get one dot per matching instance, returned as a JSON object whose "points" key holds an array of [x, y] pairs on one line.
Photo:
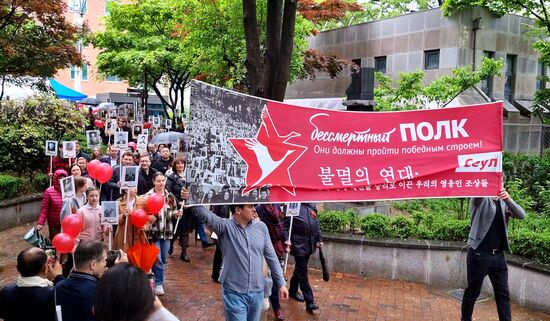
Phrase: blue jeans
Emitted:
{"points": [[158, 267], [242, 306], [201, 232]]}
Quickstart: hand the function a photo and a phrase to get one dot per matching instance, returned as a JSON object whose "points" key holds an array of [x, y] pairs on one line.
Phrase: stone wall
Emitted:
{"points": [[437, 263], [19, 211]]}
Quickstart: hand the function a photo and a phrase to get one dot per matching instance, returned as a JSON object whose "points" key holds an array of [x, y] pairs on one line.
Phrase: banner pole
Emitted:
{"points": [[126, 219], [51, 169], [111, 238], [289, 237]]}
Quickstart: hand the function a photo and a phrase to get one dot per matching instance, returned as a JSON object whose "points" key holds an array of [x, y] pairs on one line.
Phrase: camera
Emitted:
{"points": [[51, 253], [112, 256]]}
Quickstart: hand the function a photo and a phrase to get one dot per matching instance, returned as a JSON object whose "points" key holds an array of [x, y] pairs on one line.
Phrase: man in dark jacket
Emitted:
{"points": [[76, 294], [113, 185], [145, 180], [164, 162], [32, 297], [305, 239], [80, 153], [488, 239]]}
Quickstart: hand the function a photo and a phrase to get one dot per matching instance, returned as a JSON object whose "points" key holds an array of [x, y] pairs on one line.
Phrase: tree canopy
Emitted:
{"points": [[35, 39], [411, 93]]}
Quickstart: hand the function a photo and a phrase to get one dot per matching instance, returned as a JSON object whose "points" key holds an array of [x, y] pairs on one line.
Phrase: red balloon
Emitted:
{"points": [[72, 224], [99, 123], [63, 242], [104, 173], [147, 125], [138, 218], [155, 202], [92, 167]]}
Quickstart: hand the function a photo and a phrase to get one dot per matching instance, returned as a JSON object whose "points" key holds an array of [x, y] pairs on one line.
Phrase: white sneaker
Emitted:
{"points": [[159, 290]]}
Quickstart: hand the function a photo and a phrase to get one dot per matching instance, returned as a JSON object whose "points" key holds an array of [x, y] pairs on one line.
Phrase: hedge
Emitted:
{"points": [[13, 186]]}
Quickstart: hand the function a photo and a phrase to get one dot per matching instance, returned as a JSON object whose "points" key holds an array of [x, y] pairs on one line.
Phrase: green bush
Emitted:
{"points": [[27, 124], [332, 221], [10, 186], [531, 244], [336, 221], [375, 225], [519, 193]]}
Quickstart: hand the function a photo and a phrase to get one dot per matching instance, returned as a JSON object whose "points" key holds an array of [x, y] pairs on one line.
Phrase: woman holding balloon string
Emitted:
{"points": [[161, 208], [127, 203]]}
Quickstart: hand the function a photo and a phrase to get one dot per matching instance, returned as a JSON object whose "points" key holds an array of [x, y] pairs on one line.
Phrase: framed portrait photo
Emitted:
{"points": [[142, 141], [68, 188], [129, 178], [110, 127], [109, 212], [69, 149], [136, 130], [139, 119], [156, 121], [121, 140], [293, 209], [168, 124], [93, 138], [51, 148]]}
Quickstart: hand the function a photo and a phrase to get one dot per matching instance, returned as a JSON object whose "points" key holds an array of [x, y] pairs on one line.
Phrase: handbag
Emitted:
{"points": [[34, 238], [326, 275]]}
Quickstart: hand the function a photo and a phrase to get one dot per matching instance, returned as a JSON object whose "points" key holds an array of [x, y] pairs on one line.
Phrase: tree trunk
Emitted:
{"points": [[253, 61], [272, 44], [285, 56]]}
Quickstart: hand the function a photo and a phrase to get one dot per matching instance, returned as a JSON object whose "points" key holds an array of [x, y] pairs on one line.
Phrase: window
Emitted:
{"points": [[431, 59], [84, 71], [487, 83], [380, 64], [510, 77], [114, 79], [541, 75], [78, 6]]}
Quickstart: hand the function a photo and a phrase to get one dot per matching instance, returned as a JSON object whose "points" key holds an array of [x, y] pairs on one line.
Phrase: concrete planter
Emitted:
{"points": [[437, 263], [21, 210]]}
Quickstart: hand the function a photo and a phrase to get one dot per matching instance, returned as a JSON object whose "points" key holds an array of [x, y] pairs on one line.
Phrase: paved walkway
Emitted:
{"points": [[192, 296]]}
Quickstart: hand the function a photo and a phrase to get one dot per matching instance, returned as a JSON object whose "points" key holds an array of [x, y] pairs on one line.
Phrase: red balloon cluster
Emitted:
{"points": [[147, 125], [103, 173], [63, 243], [99, 123], [155, 202], [138, 218], [92, 167], [72, 224]]}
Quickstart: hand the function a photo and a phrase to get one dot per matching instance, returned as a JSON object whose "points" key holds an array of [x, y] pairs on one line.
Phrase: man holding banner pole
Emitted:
{"points": [[488, 239], [245, 243]]}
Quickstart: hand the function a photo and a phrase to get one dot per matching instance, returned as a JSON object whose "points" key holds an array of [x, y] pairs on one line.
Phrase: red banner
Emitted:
{"points": [[305, 154]]}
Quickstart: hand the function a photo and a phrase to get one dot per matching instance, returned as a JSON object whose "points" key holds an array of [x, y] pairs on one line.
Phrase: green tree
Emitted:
{"points": [[35, 40], [27, 124], [145, 41], [540, 31], [411, 93]]}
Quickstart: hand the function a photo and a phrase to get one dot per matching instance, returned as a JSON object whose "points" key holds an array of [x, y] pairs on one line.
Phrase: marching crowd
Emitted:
{"points": [[88, 284]]}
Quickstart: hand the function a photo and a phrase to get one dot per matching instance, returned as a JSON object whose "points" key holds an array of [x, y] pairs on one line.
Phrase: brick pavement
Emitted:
{"points": [[192, 296]]}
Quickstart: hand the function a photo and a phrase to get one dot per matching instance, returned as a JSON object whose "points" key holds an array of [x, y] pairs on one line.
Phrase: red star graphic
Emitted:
{"points": [[268, 156]]}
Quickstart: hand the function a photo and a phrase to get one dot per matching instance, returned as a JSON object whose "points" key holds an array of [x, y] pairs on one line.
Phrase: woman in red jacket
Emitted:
{"points": [[51, 205]]}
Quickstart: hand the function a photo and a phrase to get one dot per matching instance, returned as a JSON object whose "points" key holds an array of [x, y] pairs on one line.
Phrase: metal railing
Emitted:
{"points": [[526, 138]]}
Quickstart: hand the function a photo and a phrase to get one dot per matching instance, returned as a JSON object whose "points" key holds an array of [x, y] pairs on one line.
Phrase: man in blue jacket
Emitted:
{"points": [[488, 239], [76, 294]]}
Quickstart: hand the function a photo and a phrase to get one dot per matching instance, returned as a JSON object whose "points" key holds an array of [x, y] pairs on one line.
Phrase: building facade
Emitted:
{"points": [[87, 79], [435, 44]]}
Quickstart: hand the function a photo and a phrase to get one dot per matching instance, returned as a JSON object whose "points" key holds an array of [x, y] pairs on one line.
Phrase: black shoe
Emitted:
{"points": [[171, 250], [207, 244], [184, 257], [297, 296], [311, 306]]}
